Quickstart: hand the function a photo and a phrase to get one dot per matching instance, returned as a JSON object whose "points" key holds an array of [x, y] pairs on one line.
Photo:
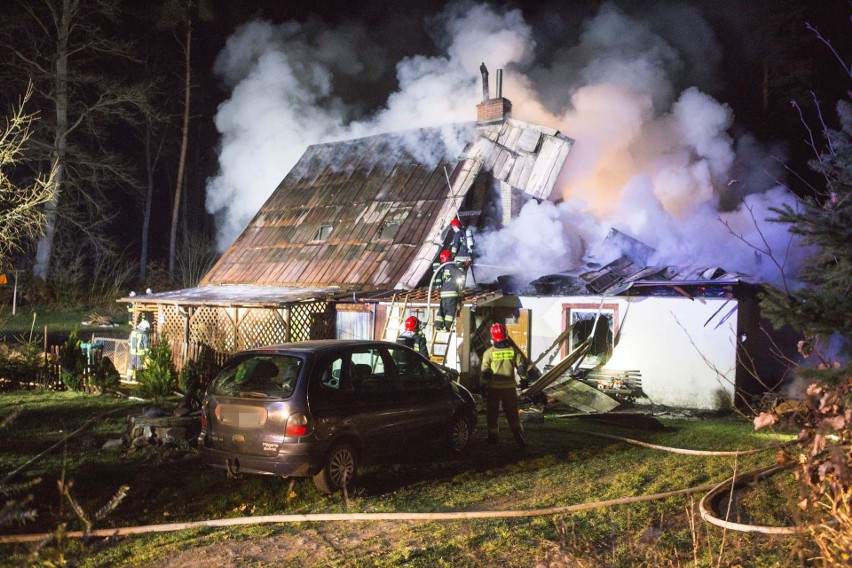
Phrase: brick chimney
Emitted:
{"points": [[491, 110]]}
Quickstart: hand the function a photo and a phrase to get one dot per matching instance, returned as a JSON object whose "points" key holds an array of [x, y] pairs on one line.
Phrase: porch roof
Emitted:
{"points": [[246, 295]]}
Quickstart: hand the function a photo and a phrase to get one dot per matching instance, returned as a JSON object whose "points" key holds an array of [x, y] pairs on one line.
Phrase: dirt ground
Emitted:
{"points": [[317, 545]]}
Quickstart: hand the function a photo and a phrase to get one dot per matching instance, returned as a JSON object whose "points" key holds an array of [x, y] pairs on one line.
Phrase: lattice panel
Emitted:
{"points": [[173, 322], [310, 320], [259, 327], [212, 326]]}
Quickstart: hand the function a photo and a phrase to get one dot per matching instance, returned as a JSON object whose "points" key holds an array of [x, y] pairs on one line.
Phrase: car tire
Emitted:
{"points": [[342, 459], [459, 434]]}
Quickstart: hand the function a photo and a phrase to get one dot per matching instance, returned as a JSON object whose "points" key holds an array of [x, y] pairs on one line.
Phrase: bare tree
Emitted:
{"points": [[21, 214], [153, 136], [67, 49], [179, 15]]}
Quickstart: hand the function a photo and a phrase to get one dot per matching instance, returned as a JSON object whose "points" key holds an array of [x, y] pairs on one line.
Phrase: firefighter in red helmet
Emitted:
{"points": [[450, 280], [499, 363], [413, 337], [462, 244]]}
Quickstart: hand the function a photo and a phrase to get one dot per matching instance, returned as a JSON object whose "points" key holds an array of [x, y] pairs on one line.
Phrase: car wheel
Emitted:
{"points": [[341, 463], [458, 436]]}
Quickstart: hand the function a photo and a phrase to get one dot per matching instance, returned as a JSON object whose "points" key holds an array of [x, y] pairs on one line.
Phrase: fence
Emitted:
{"points": [[117, 350], [53, 368]]}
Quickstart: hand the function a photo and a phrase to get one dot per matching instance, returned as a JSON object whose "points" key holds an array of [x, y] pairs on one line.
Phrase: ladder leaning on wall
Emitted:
{"points": [[439, 346], [396, 318]]}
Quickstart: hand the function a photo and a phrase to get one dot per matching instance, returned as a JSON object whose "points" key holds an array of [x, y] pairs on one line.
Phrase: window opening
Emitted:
{"points": [[389, 230], [323, 232], [583, 321]]}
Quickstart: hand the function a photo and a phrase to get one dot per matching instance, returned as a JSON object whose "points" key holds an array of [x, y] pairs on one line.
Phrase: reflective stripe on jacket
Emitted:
{"points": [[498, 367], [451, 280]]}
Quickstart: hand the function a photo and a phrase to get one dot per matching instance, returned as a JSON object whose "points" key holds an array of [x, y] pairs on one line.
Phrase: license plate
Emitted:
{"points": [[242, 416]]}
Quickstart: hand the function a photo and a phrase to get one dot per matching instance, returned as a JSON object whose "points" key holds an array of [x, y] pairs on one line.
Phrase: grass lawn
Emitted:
{"points": [[564, 465], [60, 321]]}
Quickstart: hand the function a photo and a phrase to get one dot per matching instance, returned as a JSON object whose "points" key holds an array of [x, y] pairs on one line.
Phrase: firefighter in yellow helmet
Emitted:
{"points": [[499, 363]]}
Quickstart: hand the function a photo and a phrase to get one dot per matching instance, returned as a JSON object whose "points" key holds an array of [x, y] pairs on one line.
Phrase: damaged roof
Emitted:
{"points": [[369, 214], [630, 275], [624, 278]]}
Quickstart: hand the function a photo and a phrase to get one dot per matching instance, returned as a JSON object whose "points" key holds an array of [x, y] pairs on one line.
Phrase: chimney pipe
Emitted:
{"points": [[499, 83], [484, 70]]}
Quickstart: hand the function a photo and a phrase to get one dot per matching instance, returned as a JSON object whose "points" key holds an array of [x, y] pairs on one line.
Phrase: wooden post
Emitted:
{"points": [[15, 293]]}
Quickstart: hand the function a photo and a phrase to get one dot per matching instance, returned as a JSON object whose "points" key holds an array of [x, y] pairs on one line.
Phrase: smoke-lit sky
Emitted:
{"points": [[657, 154]]}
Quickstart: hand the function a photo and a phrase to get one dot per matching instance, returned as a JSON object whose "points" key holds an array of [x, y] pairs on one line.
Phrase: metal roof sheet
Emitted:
{"points": [[235, 295]]}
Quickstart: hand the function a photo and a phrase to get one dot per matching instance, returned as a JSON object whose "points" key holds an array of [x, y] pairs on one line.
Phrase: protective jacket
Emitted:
{"points": [[462, 245], [138, 344], [450, 279], [416, 340], [498, 366]]}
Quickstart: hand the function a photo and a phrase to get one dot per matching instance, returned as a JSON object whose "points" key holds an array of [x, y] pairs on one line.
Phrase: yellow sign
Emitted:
{"points": [[3, 279]]}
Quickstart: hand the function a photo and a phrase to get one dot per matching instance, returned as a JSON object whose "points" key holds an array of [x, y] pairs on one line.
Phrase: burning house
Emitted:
{"points": [[345, 246]]}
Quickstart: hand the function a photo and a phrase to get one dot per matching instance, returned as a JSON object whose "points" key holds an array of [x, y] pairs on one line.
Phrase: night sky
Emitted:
{"points": [[751, 57]]}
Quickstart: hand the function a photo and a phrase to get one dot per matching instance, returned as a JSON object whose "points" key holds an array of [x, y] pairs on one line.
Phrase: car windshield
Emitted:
{"points": [[262, 376]]}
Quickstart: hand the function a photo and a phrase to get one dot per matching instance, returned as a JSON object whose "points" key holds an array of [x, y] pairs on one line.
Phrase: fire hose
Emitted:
{"points": [[705, 506]]}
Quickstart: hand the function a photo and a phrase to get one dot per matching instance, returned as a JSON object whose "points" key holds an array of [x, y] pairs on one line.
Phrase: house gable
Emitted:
{"points": [[370, 213]]}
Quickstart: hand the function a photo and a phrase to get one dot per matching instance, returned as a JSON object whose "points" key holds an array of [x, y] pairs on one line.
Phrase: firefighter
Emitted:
{"points": [[450, 279], [462, 244], [139, 343], [413, 337], [499, 363]]}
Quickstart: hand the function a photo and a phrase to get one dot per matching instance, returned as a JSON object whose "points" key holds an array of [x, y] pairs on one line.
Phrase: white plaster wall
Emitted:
{"points": [[683, 362]]}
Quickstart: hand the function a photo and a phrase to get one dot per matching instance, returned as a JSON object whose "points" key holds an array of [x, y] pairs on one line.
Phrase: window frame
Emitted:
{"points": [[611, 309], [320, 236]]}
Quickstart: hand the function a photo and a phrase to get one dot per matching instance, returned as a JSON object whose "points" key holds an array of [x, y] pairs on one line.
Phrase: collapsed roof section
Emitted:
{"points": [[370, 214], [630, 275]]}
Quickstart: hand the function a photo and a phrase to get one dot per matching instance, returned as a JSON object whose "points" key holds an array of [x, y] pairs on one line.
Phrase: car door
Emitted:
{"points": [[382, 418], [423, 391], [332, 399]]}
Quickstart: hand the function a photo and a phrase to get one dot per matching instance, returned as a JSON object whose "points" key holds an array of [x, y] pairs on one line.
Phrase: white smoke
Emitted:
{"points": [[654, 156]]}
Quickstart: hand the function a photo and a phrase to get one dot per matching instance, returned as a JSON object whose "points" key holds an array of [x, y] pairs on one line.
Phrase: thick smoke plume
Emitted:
{"points": [[654, 156]]}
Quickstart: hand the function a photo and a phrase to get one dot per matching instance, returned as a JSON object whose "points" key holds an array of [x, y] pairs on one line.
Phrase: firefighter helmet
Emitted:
{"points": [[446, 256], [498, 332], [411, 323], [455, 223]]}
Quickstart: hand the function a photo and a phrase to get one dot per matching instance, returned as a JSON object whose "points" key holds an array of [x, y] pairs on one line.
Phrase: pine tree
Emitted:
{"points": [[823, 306]]}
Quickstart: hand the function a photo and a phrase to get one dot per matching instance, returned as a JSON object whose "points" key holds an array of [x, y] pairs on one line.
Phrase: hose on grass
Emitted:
{"points": [[682, 450], [707, 512], [713, 489], [359, 517]]}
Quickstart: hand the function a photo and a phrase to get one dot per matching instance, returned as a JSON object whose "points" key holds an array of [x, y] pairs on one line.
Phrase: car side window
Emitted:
{"points": [[434, 378], [368, 371], [332, 375], [409, 369]]}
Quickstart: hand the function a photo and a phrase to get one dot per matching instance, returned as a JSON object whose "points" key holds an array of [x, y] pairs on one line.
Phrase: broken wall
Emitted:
{"points": [[686, 350]]}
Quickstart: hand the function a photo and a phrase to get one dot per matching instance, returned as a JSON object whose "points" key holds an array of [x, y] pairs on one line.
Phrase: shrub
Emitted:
{"points": [[71, 362], [106, 375], [21, 361], [158, 378], [71, 380]]}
